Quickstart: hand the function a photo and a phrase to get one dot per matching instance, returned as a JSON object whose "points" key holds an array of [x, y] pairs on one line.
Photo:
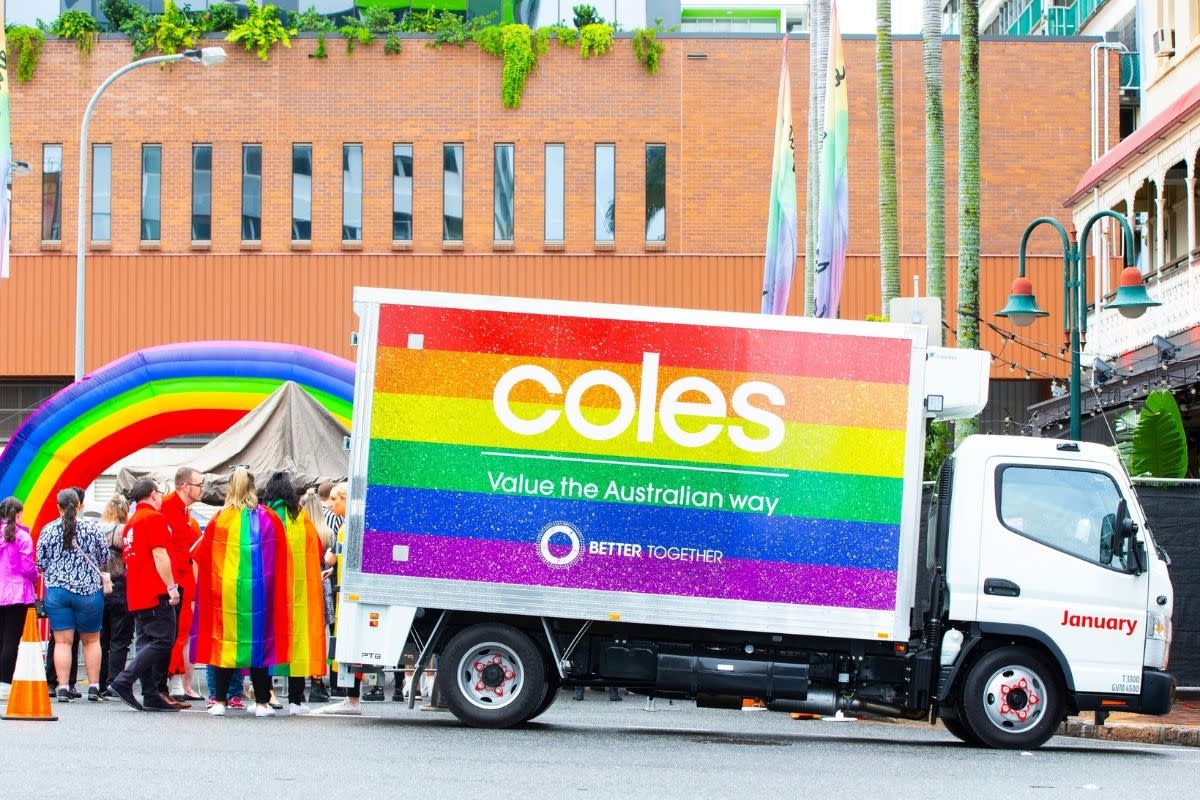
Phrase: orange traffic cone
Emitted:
{"points": [[30, 696]]}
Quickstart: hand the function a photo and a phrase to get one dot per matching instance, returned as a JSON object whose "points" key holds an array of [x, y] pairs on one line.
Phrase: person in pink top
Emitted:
{"points": [[17, 575]]}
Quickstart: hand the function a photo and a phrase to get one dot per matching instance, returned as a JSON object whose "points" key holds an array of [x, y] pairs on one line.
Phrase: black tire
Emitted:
{"points": [[1035, 709], [553, 684], [959, 730], [493, 676]]}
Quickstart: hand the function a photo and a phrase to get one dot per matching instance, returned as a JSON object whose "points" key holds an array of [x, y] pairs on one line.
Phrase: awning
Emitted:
{"points": [[1141, 140]]}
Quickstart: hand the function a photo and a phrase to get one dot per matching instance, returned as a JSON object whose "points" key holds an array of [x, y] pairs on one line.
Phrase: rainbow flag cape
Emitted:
{"points": [[833, 218], [780, 264], [241, 617], [306, 600]]}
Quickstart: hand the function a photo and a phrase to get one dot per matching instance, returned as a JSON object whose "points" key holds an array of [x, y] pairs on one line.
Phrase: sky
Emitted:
{"points": [[858, 16]]}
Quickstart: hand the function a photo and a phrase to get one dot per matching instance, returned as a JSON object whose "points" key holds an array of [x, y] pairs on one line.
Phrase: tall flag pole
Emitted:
{"points": [[780, 263], [833, 221], [5, 148]]}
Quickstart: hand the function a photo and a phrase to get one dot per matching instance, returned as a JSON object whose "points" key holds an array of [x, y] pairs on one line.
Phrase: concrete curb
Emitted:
{"points": [[1132, 732]]}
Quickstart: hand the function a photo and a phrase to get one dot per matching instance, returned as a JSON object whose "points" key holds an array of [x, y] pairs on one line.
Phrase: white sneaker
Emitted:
{"points": [[295, 709], [251, 707], [175, 686], [217, 710], [263, 710], [342, 709]]}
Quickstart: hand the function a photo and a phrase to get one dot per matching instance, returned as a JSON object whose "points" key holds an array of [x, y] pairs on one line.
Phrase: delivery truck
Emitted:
{"points": [[721, 506]]}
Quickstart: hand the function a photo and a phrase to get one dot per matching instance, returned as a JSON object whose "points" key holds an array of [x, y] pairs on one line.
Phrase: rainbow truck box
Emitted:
{"points": [[695, 504]]}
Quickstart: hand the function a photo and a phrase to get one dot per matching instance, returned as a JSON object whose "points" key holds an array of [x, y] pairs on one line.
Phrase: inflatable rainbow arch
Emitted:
{"points": [[151, 395]]}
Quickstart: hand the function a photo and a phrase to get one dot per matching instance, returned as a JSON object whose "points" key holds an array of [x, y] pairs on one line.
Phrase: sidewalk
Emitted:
{"points": [[1180, 727]]}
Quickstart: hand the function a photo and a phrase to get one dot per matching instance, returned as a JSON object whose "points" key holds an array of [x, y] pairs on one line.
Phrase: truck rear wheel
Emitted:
{"points": [[553, 683], [959, 730], [497, 676], [1012, 699]]}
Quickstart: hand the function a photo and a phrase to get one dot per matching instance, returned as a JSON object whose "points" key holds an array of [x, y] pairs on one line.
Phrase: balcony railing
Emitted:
{"points": [[1131, 71], [1028, 20], [1067, 20], [1178, 291]]}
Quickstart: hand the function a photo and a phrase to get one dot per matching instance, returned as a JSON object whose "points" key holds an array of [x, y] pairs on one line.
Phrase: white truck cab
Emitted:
{"points": [[1046, 549]]}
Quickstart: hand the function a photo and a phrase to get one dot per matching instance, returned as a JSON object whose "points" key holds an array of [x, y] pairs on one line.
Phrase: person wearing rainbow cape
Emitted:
{"points": [[306, 596], [241, 619]]}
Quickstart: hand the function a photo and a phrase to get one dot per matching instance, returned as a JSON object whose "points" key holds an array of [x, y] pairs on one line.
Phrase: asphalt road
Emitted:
{"points": [[590, 749]]}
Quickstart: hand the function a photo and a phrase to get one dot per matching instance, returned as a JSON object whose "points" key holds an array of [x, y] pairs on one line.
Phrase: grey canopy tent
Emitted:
{"points": [[289, 430]]}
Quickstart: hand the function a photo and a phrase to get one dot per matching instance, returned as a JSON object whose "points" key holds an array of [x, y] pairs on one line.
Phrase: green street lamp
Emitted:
{"points": [[1131, 300]]}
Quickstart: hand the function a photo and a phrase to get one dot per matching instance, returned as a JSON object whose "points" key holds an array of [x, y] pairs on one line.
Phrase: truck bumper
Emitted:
{"points": [[1157, 697], [1158, 692]]}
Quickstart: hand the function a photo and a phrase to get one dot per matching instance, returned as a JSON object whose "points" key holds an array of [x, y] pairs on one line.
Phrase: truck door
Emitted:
{"points": [[1049, 560]]}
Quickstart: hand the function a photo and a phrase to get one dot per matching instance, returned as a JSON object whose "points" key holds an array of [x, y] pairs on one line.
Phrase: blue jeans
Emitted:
{"points": [[235, 683], [74, 612]]}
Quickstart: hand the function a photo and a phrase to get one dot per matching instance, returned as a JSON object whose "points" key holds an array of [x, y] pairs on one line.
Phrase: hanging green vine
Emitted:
{"points": [[564, 34], [261, 30], [26, 42], [80, 26], [176, 31], [519, 47], [647, 49], [595, 40]]}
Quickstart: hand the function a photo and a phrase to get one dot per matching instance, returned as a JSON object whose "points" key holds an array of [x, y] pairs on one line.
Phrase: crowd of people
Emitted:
{"points": [[252, 593]]}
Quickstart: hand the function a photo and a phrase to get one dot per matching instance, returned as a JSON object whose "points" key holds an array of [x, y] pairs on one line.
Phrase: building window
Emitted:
{"points": [[51, 193], [151, 192], [102, 193], [402, 197], [656, 193], [352, 183], [502, 194], [251, 192], [554, 192], [302, 192], [452, 193], [201, 192], [606, 192]]}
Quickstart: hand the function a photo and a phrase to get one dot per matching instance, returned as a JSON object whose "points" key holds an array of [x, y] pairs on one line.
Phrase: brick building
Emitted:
{"points": [[245, 200]]}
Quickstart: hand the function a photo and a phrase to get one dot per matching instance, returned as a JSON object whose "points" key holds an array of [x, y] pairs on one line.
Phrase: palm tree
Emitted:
{"points": [[935, 155], [818, 59], [889, 244], [968, 188]]}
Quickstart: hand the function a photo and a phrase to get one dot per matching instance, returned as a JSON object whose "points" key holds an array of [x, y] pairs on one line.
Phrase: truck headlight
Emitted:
{"points": [[1158, 640]]}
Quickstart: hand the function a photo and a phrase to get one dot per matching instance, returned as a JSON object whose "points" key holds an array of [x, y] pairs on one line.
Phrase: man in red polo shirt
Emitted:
{"points": [[151, 593], [185, 531]]}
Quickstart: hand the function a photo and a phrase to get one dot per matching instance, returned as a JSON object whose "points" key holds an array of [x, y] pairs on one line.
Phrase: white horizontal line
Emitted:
{"points": [[635, 464]]}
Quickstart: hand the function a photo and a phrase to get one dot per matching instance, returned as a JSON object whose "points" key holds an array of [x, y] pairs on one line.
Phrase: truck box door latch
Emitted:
{"points": [[1001, 588]]}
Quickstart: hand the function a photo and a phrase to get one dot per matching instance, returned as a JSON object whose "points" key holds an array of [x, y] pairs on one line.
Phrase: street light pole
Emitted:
{"points": [[1131, 300], [205, 56]]}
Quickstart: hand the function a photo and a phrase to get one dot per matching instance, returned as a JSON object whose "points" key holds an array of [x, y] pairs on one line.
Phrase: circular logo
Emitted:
{"points": [[551, 544]]}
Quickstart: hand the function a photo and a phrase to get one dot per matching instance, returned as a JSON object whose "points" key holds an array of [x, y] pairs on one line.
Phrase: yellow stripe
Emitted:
{"points": [[817, 448], [232, 522]]}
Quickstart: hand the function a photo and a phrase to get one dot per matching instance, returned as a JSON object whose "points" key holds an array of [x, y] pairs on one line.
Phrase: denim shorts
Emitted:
{"points": [[74, 612]]}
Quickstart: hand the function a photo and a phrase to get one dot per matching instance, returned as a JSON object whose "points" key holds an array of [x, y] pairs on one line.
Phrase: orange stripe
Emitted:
{"points": [[819, 401]]}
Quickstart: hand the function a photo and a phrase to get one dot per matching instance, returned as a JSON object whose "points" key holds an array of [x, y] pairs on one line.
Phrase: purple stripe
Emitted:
{"points": [[521, 564]]}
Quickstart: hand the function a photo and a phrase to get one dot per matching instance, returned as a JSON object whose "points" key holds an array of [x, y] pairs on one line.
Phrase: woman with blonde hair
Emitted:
{"points": [[241, 617], [116, 634]]}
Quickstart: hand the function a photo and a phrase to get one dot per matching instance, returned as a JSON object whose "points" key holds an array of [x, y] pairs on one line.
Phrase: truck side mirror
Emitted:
{"points": [[1127, 544]]}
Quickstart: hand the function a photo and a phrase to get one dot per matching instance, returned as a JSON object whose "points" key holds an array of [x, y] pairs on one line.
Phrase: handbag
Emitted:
{"points": [[39, 608], [106, 584]]}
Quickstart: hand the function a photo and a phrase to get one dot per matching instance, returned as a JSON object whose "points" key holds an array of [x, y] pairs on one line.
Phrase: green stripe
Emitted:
{"points": [[245, 596], [259, 386], [811, 495]]}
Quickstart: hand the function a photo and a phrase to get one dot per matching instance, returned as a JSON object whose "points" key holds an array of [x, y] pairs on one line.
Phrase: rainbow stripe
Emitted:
{"points": [[151, 395], [813, 521], [306, 599], [242, 618]]}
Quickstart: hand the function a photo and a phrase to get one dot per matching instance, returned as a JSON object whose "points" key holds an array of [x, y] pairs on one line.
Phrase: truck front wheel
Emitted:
{"points": [[1012, 699], [498, 676]]}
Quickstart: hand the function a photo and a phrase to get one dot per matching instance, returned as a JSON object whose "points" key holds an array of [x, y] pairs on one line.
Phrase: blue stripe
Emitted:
{"points": [[837, 543]]}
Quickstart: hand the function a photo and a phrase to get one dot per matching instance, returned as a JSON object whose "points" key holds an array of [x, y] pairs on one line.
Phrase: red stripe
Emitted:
{"points": [[91, 463], [820, 355]]}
